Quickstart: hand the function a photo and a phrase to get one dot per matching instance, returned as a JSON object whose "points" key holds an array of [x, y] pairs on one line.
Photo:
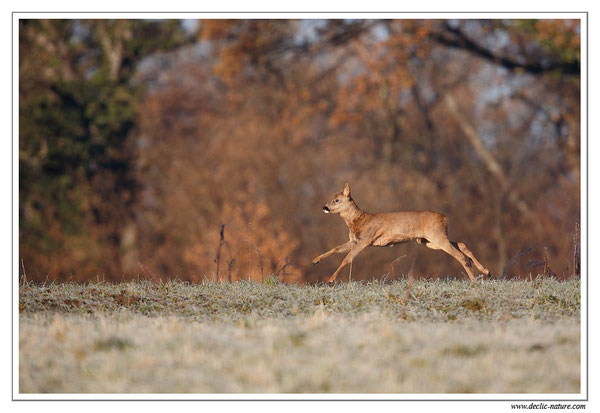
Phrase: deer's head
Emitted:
{"points": [[340, 202]]}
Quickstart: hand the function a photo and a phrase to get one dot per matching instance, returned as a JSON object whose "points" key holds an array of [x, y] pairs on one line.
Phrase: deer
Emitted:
{"points": [[386, 229]]}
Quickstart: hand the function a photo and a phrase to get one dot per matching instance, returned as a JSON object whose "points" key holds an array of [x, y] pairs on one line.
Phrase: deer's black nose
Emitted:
{"points": [[325, 208]]}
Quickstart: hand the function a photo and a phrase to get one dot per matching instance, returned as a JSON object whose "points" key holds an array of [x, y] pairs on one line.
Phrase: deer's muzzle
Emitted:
{"points": [[326, 209]]}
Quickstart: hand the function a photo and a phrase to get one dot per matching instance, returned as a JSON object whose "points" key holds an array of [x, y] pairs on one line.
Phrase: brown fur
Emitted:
{"points": [[391, 228]]}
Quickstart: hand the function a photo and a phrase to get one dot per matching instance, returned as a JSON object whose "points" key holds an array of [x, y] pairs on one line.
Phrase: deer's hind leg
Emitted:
{"points": [[446, 246], [461, 246]]}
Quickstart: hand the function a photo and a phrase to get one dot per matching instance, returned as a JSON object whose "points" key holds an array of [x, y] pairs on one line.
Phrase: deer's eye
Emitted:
{"points": [[337, 200]]}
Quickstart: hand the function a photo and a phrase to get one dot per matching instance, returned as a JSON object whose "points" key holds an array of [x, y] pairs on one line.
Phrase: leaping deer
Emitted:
{"points": [[390, 228]]}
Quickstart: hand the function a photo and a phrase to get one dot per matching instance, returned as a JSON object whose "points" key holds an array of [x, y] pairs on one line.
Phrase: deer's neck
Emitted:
{"points": [[352, 215]]}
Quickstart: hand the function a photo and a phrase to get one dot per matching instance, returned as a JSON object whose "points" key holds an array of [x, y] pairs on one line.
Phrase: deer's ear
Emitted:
{"points": [[346, 191]]}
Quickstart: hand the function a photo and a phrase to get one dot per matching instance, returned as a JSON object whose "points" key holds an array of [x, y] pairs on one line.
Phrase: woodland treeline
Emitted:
{"points": [[164, 148]]}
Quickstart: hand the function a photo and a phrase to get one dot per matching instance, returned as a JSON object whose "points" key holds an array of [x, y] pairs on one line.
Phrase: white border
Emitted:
{"points": [[584, 270], [421, 397], [299, 15]]}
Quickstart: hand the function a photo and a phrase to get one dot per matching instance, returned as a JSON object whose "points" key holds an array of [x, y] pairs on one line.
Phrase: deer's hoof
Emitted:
{"points": [[312, 264], [330, 283]]}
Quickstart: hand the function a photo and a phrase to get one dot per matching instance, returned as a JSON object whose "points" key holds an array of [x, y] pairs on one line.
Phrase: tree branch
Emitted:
{"points": [[459, 40], [490, 162]]}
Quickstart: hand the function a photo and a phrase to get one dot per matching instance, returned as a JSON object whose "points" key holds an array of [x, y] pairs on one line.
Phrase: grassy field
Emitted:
{"points": [[247, 337]]}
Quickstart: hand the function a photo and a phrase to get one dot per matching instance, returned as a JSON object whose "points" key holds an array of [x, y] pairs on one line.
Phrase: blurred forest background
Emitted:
{"points": [[140, 139]]}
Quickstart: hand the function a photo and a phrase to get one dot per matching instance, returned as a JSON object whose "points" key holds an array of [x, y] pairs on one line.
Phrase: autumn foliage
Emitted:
{"points": [[242, 129]]}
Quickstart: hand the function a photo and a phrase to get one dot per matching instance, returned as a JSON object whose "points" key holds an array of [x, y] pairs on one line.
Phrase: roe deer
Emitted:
{"points": [[387, 229]]}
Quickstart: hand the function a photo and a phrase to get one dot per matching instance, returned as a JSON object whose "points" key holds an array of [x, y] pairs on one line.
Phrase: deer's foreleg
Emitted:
{"points": [[356, 248], [340, 248]]}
